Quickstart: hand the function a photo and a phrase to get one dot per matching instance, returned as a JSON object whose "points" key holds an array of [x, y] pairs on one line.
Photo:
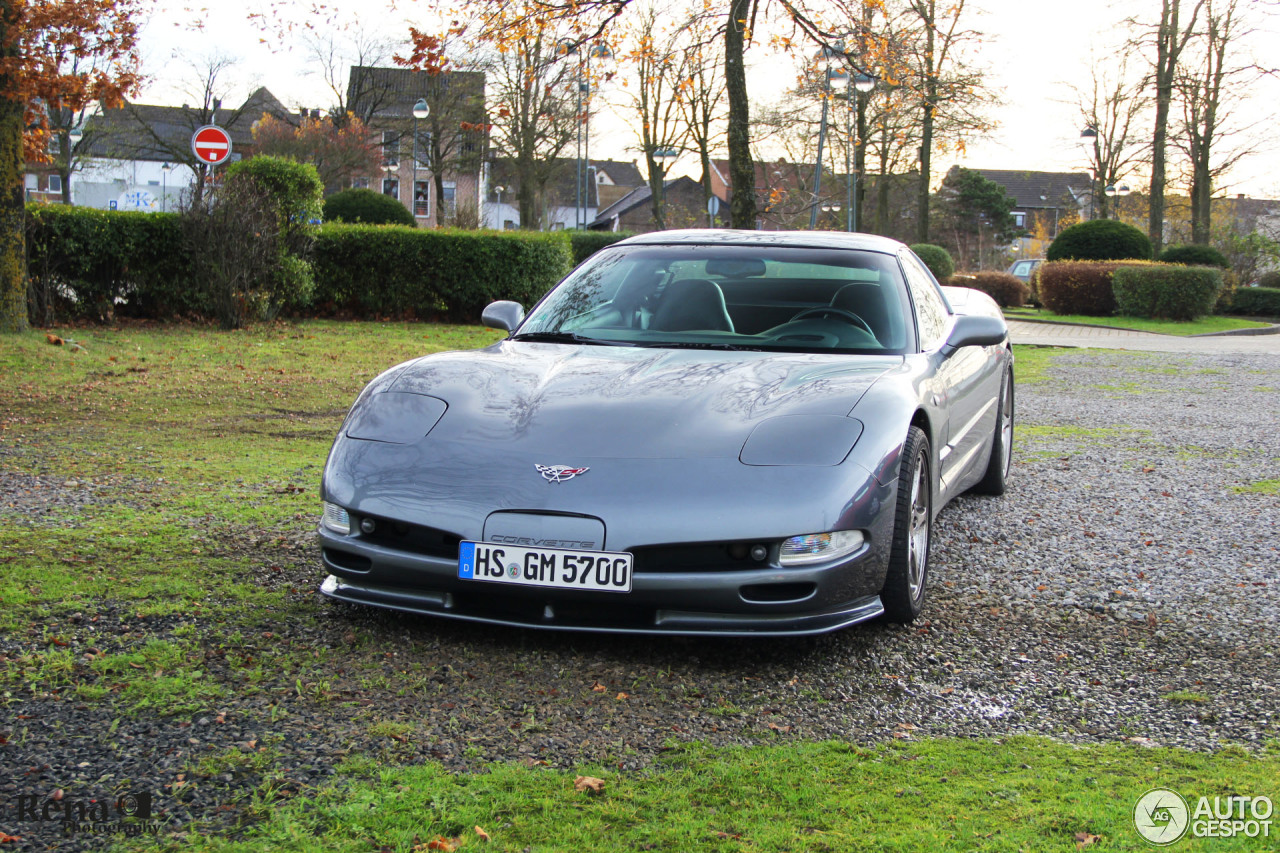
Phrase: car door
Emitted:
{"points": [[960, 389]]}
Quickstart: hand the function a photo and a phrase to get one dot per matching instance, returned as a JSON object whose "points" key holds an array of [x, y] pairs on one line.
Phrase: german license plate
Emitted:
{"points": [[604, 571]]}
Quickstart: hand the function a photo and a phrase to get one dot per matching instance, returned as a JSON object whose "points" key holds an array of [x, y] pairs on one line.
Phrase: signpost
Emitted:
{"points": [[211, 144]]}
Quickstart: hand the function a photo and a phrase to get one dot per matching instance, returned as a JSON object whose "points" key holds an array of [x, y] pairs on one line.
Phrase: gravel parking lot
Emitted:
{"points": [[1127, 587]]}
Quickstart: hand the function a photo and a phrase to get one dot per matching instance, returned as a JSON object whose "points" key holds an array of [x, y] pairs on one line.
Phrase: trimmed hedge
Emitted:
{"points": [[1007, 290], [1100, 240], [1077, 287], [1195, 255], [587, 243], [388, 270], [1257, 301], [937, 259], [1166, 291], [1270, 279], [367, 206], [90, 263]]}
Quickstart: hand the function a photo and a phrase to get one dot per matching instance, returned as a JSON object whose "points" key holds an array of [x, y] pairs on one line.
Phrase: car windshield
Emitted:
{"points": [[730, 297]]}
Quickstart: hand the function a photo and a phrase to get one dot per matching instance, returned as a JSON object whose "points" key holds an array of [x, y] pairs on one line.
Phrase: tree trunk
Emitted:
{"points": [[742, 169], [926, 129], [657, 177], [13, 214], [922, 191]]}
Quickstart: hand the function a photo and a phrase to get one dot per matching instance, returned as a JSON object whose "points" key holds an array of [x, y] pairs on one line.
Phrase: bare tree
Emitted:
{"points": [[1170, 40], [336, 56], [655, 56], [1112, 106], [948, 92], [1205, 89], [534, 112], [703, 104]]}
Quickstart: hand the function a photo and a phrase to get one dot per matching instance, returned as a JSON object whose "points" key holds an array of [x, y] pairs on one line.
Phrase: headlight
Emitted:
{"points": [[819, 547], [335, 518]]}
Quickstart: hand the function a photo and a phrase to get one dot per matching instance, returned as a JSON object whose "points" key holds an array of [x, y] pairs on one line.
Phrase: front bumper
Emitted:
{"points": [[754, 602]]}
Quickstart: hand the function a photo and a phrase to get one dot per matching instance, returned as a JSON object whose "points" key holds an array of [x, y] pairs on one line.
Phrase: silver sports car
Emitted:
{"points": [[723, 432]]}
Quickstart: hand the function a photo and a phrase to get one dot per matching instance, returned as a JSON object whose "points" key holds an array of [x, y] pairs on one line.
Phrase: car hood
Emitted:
{"points": [[567, 403]]}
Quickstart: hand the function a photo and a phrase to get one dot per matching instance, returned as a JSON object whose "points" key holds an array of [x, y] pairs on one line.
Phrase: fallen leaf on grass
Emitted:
{"points": [[1086, 839], [731, 835], [588, 783], [439, 843], [777, 728], [6, 838], [53, 339], [621, 696], [598, 688], [484, 836]]}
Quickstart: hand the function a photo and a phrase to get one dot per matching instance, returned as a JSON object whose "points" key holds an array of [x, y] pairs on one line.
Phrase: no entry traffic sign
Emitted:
{"points": [[211, 144]]}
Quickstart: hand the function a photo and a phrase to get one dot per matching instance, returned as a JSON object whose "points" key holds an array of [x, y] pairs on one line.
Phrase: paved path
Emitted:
{"points": [[1052, 334]]}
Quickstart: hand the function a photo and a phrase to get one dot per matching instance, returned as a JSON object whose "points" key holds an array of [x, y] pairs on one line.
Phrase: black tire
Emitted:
{"points": [[997, 476], [908, 576]]}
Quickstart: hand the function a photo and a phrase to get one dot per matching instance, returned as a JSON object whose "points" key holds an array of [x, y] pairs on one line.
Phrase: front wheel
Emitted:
{"points": [[996, 479], [904, 585]]}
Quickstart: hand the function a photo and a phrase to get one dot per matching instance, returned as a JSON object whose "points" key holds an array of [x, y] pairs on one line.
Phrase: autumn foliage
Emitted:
{"points": [[66, 54], [339, 149]]}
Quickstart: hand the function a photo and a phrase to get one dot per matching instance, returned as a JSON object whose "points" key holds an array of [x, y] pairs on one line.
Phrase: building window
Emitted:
{"points": [[1019, 220], [508, 225], [33, 181], [421, 198], [422, 150], [359, 183], [448, 201], [390, 148], [391, 187], [55, 183]]}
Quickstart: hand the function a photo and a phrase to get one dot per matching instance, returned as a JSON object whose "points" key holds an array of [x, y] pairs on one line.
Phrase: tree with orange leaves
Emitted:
{"points": [[54, 55], [339, 147]]}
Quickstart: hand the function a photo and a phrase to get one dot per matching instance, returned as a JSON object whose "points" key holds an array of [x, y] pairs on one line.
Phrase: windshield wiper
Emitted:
{"points": [[699, 345], [565, 338]]}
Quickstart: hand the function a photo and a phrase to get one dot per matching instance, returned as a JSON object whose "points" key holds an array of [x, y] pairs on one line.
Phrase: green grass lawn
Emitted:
{"points": [[1023, 794], [1203, 326], [204, 450]]}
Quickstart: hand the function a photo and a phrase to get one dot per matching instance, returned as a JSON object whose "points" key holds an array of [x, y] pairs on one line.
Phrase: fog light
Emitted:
{"points": [[820, 547], [335, 518], [368, 525], [759, 552]]}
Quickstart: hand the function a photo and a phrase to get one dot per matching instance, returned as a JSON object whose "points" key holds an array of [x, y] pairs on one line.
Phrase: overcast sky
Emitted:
{"points": [[1033, 52]]}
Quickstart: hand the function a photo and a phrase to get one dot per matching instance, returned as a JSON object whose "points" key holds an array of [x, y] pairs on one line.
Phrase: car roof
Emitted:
{"points": [[729, 237]]}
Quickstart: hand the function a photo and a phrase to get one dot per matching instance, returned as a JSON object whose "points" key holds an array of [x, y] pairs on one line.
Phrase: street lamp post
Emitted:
{"points": [[1089, 141], [499, 190], [420, 111], [829, 75], [1116, 192]]}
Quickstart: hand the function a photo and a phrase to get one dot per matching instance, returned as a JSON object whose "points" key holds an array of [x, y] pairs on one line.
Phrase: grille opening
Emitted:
{"points": [[414, 538], [707, 557], [772, 593], [350, 562]]}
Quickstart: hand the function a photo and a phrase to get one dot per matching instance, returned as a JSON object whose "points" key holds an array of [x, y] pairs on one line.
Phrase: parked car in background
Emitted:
{"points": [[696, 432], [1024, 268]]}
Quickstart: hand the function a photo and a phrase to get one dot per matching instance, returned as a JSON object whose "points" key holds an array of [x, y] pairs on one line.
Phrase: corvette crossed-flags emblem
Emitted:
{"points": [[559, 473]]}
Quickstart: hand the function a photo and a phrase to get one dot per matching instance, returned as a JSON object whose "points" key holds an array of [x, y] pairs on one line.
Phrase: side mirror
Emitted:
{"points": [[975, 330], [502, 315]]}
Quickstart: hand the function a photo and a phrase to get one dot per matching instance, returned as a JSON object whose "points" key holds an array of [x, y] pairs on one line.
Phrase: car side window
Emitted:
{"points": [[931, 311]]}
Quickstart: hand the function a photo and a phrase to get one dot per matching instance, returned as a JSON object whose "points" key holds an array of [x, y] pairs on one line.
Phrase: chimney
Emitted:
{"points": [[1241, 196]]}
